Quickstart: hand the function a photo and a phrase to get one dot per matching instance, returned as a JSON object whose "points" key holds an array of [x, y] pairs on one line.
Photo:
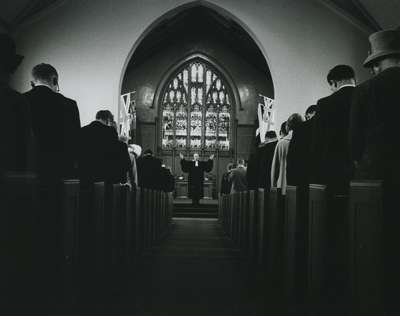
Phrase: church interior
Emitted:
{"points": [[192, 157]]}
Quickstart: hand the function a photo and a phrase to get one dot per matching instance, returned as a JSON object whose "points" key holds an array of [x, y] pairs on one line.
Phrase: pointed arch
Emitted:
{"points": [[179, 9], [196, 101]]}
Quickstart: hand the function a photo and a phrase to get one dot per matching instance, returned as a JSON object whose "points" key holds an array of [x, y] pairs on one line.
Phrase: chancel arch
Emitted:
{"points": [[197, 77]]}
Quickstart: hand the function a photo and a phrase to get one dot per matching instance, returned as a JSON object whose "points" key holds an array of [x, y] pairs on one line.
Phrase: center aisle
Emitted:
{"points": [[195, 271]]}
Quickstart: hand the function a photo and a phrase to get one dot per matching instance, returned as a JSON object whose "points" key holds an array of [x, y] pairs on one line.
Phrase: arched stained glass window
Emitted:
{"points": [[196, 109]]}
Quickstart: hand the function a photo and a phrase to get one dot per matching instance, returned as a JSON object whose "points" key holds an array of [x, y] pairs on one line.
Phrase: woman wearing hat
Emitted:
{"points": [[15, 129]]}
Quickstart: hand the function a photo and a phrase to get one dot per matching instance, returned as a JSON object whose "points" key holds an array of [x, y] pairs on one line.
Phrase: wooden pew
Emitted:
{"points": [[295, 248], [328, 251], [252, 225], [366, 231], [275, 238], [130, 226], [260, 226], [70, 212], [139, 235], [317, 246], [231, 212], [19, 193], [245, 222], [240, 214]]}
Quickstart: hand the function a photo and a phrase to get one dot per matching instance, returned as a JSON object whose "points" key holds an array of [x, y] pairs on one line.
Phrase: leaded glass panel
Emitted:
{"points": [[196, 109]]}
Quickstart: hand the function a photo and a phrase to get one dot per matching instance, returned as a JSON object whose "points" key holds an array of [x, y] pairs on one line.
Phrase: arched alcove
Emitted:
{"points": [[197, 32]]}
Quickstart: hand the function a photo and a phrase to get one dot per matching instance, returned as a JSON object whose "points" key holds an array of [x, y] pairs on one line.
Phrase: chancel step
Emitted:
{"points": [[200, 211]]}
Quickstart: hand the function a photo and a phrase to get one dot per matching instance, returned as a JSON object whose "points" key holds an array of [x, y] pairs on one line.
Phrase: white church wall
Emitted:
{"points": [[89, 43]]}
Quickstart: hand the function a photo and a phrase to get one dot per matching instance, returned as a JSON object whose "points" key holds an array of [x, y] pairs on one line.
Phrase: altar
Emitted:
{"points": [[181, 189]]}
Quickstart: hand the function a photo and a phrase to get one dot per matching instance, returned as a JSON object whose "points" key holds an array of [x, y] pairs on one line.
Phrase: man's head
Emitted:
{"points": [[105, 117], [385, 51], [310, 112], [240, 162], [148, 152], [339, 76], [229, 167], [294, 121], [45, 74], [195, 156], [270, 135], [9, 59]]}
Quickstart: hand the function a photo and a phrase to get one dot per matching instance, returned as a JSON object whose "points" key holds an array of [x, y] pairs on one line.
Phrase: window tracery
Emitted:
{"points": [[196, 109]]}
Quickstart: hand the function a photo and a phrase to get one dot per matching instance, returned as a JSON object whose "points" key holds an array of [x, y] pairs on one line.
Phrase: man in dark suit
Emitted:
{"points": [[265, 155], [330, 145], [56, 124], [99, 149], [149, 171], [15, 130], [196, 169], [375, 111], [299, 166], [375, 143], [238, 177]]}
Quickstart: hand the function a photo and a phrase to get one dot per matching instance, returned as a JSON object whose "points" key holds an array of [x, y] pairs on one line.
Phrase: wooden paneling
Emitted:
{"points": [[366, 219]]}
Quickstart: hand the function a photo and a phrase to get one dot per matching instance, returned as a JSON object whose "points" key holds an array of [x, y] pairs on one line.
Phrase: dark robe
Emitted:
{"points": [[196, 176]]}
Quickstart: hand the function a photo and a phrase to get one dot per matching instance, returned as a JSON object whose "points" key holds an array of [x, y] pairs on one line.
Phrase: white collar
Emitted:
{"points": [[346, 85]]}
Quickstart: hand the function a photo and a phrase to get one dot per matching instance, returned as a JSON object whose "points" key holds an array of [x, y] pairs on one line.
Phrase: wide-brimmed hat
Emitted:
{"points": [[8, 56], [383, 44]]}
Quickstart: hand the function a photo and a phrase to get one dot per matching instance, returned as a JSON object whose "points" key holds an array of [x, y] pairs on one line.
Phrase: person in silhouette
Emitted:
{"points": [[15, 130], [56, 124], [196, 169], [149, 170], [99, 148], [238, 177]]}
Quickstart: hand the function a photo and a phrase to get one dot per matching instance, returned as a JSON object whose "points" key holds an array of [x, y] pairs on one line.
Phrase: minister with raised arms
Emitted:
{"points": [[196, 169]]}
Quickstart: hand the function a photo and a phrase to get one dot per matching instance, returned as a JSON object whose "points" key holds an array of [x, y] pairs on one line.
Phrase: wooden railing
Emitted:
{"points": [[322, 252], [69, 238]]}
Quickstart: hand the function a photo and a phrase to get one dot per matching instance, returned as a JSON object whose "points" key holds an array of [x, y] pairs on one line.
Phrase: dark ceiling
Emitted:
{"points": [[200, 22]]}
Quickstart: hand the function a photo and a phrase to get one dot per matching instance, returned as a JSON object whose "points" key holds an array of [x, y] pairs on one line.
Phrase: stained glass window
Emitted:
{"points": [[196, 109]]}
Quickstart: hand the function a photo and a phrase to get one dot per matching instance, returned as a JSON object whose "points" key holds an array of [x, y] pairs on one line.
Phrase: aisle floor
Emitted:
{"points": [[195, 271]]}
